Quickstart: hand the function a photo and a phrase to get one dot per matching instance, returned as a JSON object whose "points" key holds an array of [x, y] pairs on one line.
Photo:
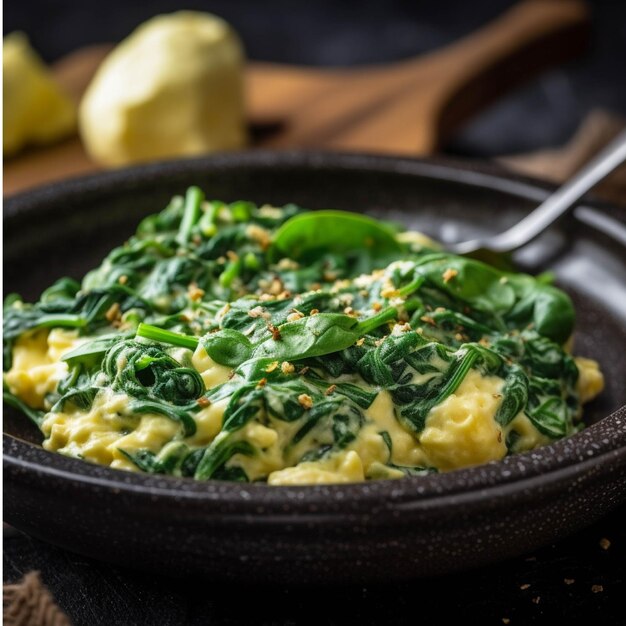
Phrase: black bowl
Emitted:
{"points": [[362, 532]]}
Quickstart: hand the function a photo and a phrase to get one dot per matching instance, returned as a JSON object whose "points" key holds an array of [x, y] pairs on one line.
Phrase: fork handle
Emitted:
{"points": [[562, 200]]}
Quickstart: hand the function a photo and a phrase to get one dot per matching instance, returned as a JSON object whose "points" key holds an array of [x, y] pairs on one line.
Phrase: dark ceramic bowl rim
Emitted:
{"points": [[544, 467]]}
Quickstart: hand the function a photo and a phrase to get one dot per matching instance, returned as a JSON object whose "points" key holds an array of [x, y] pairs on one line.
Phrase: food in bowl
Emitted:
{"points": [[246, 343]]}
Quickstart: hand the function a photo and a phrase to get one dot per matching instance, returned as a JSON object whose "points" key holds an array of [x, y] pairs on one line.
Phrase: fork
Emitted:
{"points": [[555, 207]]}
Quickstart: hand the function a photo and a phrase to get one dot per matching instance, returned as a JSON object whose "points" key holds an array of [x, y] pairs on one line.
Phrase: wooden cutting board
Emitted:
{"points": [[409, 107]]}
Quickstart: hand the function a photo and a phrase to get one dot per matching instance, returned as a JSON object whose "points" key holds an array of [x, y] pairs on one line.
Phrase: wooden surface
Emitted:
{"points": [[408, 107]]}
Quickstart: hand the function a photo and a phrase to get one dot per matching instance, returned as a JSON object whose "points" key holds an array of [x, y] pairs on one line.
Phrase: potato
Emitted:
{"points": [[173, 88]]}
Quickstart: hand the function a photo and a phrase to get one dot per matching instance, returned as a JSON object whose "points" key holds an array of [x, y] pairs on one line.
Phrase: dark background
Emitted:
{"points": [[545, 113]]}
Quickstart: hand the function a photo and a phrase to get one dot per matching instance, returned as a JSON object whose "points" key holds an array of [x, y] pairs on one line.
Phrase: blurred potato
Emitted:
{"points": [[35, 109], [173, 88]]}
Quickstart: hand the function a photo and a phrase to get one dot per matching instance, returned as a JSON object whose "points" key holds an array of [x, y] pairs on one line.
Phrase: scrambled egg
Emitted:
{"points": [[37, 368], [103, 431], [345, 467], [590, 378], [459, 432]]}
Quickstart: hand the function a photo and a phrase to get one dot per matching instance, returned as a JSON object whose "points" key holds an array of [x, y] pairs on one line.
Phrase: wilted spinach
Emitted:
{"points": [[276, 296]]}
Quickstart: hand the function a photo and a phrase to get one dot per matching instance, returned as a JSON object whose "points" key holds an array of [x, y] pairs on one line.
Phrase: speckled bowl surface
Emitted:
{"points": [[363, 532]]}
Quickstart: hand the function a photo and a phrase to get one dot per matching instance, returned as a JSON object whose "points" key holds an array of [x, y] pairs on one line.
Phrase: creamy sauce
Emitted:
{"points": [[459, 432], [36, 369]]}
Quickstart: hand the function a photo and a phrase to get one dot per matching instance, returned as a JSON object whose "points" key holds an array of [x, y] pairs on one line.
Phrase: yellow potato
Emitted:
{"points": [[174, 87], [36, 111]]}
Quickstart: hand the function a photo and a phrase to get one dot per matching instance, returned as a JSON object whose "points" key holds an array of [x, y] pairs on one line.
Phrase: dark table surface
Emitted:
{"points": [[579, 580]]}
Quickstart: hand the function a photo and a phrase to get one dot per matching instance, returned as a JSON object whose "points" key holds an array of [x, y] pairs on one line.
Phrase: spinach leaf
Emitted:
{"points": [[414, 415], [337, 231], [175, 413], [472, 282], [218, 454], [168, 461], [515, 396], [304, 338], [551, 418], [228, 347], [35, 415], [147, 371], [91, 353], [547, 308]]}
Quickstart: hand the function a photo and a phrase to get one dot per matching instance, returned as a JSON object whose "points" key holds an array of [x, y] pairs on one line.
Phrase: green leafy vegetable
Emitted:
{"points": [[337, 231], [316, 315]]}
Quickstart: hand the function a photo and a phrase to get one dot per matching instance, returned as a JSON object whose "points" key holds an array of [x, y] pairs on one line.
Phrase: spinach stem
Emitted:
{"points": [[65, 320], [457, 377], [35, 415], [166, 336], [231, 271], [191, 214], [208, 221], [414, 285], [368, 325]]}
